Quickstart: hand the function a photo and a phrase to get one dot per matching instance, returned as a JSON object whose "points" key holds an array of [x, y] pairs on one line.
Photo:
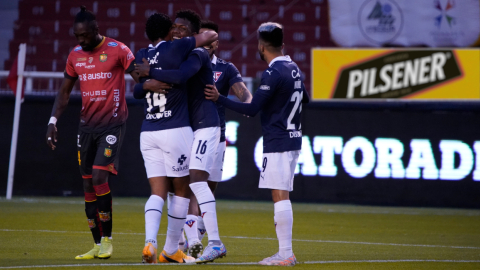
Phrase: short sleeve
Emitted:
{"points": [[69, 68], [233, 75], [125, 56]]}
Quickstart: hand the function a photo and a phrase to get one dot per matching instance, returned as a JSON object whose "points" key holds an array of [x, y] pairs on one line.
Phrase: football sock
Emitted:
{"points": [[283, 226], [207, 204], [169, 199], [104, 204], [190, 229], [153, 216], [92, 216], [201, 228], [177, 212]]}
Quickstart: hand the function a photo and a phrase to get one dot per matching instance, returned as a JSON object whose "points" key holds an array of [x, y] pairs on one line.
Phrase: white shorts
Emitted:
{"points": [[217, 167], [167, 152], [278, 170], [204, 148]]}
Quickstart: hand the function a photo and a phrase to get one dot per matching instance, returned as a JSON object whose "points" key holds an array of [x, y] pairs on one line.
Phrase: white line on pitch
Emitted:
{"points": [[239, 263], [265, 238]]}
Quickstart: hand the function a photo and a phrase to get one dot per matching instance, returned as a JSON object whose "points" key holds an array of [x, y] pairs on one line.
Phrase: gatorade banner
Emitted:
{"points": [[397, 73], [405, 23]]}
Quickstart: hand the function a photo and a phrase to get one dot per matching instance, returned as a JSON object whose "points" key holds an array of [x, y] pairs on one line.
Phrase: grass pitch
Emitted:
{"points": [[48, 232]]}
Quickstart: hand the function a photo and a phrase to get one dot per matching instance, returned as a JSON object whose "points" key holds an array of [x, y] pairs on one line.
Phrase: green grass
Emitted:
{"points": [[51, 231]]}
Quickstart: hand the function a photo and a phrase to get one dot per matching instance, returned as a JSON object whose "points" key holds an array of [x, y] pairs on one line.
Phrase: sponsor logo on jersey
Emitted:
{"points": [[111, 139], [295, 134], [90, 59], [216, 75], [103, 57], [154, 59], [264, 87], [123, 47], [269, 72], [112, 44], [80, 64], [95, 93], [104, 216], [130, 56], [154, 116], [295, 73], [95, 76], [81, 59], [116, 99], [397, 74], [190, 222], [91, 223], [77, 48], [108, 152], [180, 169], [182, 159]]}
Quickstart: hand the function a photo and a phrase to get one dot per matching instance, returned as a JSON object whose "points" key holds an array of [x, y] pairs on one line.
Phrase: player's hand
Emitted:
{"points": [[156, 86], [143, 69], [211, 92], [51, 136]]}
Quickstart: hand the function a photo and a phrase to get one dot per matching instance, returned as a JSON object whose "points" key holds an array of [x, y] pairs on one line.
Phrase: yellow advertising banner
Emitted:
{"points": [[395, 73]]}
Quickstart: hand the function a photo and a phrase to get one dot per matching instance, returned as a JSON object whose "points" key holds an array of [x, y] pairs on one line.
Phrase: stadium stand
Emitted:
{"points": [[46, 27]]}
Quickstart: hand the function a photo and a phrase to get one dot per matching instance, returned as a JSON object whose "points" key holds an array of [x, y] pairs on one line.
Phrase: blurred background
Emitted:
{"points": [[395, 87]]}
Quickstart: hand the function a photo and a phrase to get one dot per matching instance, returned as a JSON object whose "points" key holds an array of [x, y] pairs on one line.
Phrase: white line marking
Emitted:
{"points": [[275, 239], [239, 263]]}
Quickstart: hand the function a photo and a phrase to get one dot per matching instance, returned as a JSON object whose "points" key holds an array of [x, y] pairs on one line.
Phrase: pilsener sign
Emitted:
{"points": [[386, 73]]}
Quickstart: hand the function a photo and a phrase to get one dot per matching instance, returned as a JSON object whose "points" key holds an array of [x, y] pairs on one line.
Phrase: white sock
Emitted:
{"points": [[153, 215], [169, 198], [176, 218], [201, 228], [190, 229], [284, 224], [181, 242], [206, 201]]}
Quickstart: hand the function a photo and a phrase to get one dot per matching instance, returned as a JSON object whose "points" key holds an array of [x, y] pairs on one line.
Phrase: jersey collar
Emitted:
{"points": [[156, 46], [280, 58], [100, 44], [214, 60]]}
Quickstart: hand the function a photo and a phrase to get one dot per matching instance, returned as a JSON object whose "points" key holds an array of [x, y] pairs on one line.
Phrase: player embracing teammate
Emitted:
{"points": [[279, 97]]}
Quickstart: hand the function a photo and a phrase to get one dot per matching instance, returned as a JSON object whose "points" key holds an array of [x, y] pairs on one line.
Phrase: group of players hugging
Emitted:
{"points": [[184, 87]]}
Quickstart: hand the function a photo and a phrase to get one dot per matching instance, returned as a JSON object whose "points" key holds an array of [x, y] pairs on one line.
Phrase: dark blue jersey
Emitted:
{"points": [[225, 74], [279, 97], [196, 72], [170, 110]]}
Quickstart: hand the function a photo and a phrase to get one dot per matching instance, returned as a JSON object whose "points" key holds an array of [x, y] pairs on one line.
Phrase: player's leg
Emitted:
{"points": [[204, 149], [86, 156], [177, 149], [154, 159], [106, 162], [277, 174], [195, 246]]}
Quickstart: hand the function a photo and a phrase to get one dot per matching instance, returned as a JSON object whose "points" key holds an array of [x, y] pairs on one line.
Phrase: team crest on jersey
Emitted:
{"points": [[112, 44], [216, 75], [77, 48], [190, 223], [103, 57], [108, 152]]}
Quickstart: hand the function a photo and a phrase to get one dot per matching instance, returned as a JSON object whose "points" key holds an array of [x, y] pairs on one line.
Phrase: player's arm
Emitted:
{"points": [[131, 70], [61, 102], [188, 68], [241, 91], [205, 38], [141, 89]]}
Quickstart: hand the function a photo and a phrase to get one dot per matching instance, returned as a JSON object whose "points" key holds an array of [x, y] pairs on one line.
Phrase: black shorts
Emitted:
{"points": [[100, 150]]}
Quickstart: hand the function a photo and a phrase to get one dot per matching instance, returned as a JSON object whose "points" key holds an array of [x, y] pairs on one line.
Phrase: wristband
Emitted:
{"points": [[53, 120]]}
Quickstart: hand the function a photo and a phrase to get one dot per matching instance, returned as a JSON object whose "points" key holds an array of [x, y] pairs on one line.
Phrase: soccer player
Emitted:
{"points": [[100, 63], [279, 97], [166, 137], [204, 120], [226, 77]]}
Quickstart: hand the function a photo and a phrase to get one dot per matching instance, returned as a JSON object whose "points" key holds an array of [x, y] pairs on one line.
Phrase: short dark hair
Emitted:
{"points": [[209, 25], [271, 33], [158, 26], [190, 16], [85, 16]]}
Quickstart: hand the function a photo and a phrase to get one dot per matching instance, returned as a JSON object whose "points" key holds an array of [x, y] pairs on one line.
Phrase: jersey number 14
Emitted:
{"points": [[156, 103]]}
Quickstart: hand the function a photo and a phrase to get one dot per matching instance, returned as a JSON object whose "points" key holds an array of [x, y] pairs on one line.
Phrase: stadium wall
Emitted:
{"points": [[383, 153]]}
